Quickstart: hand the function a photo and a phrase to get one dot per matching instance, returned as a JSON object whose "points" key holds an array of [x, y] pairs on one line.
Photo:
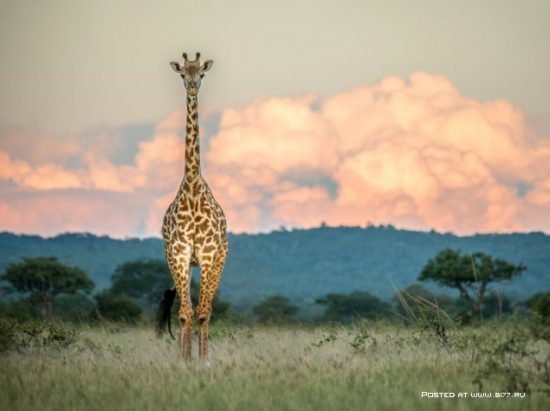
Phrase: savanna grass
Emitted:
{"points": [[363, 366]]}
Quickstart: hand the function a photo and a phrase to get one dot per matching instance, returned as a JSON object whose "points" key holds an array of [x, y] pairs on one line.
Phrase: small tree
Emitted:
{"points": [[144, 280], [346, 307], [469, 274], [44, 278], [275, 309]]}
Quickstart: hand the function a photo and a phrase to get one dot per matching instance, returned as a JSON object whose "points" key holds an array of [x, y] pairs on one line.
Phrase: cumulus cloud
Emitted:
{"points": [[413, 152], [44, 177], [55, 211]]}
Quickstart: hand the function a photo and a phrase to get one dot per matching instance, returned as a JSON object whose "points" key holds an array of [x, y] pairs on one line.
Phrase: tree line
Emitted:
{"points": [[44, 287]]}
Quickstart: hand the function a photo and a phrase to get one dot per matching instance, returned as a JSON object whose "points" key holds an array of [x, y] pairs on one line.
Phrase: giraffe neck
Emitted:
{"points": [[192, 143]]}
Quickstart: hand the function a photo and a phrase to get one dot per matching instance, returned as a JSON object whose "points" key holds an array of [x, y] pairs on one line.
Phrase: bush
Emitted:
{"points": [[72, 307], [348, 307], [34, 334], [116, 307], [275, 309], [20, 310], [541, 308], [66, 307], [7, 334], [540, 311]]}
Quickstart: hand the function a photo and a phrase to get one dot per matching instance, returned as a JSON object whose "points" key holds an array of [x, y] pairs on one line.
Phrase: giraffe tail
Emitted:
{"points": [[165, 311]]}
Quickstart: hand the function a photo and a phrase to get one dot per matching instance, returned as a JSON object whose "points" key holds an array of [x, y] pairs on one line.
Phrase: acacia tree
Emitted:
{"points": [[44, 278], [470, 274]]}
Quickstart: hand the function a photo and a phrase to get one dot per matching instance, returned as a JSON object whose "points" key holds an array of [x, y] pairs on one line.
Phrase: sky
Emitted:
{"points": [[424, 115]]}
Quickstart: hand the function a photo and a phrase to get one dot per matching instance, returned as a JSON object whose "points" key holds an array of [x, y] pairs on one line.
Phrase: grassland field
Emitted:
{"points": [[366, 366]]}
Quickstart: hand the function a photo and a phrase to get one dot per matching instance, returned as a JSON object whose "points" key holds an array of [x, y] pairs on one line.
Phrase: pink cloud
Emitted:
{"points": [[413, 152], [52, 212], [43, 177], [416, 153]]}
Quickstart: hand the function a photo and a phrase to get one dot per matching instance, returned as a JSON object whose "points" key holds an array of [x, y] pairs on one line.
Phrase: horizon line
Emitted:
{"points": [[281, 229]]}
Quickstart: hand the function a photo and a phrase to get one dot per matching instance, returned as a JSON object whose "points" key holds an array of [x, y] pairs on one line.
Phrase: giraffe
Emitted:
{"points": [[194, 228]]}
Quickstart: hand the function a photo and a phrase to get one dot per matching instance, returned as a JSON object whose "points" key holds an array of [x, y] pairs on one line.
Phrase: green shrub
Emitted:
{"points": [[541, 316], [116, 307], [275, 309], [7, 337], [34, 334], [346, 308], [20, 310], [72, 307], [541, 308]]}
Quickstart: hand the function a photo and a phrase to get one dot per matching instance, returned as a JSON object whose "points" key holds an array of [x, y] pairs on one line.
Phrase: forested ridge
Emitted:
{"points": [[302, 264]]}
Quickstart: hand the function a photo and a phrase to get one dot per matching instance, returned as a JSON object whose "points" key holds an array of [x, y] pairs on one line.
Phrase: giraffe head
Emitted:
{"points": [[192, 72]]}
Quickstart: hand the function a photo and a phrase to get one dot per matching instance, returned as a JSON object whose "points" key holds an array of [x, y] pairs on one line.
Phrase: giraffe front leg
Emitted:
{"points": [[180, 266], [186, 315], [210, 280]]}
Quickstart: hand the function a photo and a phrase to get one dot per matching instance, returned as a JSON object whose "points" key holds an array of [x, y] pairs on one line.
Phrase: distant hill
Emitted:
{"points": [[302, 264]]}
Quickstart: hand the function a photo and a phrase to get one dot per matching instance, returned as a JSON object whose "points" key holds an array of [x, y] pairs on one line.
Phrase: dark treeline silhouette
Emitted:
{"points": [[304, 265], [40, 287], [407, 306]]}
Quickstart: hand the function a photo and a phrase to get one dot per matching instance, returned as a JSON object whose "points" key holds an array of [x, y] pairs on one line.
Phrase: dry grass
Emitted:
{"points": [[255, 368]]}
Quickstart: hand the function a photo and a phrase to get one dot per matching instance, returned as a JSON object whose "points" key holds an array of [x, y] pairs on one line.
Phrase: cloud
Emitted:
{"points": [[55, 211], [44, 177], [412, 152]]}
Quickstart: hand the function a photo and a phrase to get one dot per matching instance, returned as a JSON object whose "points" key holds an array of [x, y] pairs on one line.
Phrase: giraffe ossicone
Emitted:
{"points": [[194, 228]]}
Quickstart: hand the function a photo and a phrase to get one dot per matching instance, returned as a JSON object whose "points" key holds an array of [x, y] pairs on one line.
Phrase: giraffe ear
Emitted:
{"points": [[175, 66], [207, 65]]}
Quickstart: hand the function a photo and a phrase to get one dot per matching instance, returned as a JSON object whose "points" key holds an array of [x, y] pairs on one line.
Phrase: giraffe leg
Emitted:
{"points": [[179, 262], [186, 318], [210, 280]]}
